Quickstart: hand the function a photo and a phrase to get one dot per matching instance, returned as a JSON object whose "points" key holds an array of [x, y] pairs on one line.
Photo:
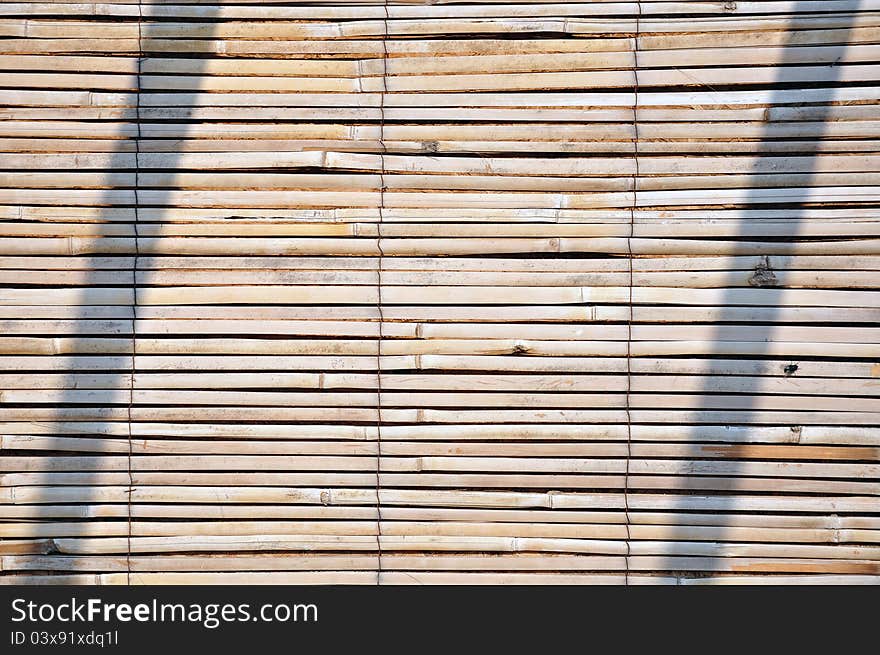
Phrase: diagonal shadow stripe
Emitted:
{"points": [[116, 257], [820, 100]]}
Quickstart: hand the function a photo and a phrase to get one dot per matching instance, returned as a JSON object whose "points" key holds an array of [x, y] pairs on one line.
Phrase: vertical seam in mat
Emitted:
{"points": [[134, 268], [381, 317], [629, 324]]}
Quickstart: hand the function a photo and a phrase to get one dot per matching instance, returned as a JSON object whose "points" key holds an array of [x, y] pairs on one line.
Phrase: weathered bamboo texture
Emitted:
{"points": [[353, 292]]}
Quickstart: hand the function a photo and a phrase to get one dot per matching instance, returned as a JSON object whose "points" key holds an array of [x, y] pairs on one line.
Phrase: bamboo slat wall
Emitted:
{"points": [[439, 292]]}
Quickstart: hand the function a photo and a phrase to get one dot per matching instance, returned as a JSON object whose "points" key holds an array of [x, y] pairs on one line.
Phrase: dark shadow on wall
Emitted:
{"points": [[731, 317], [119, 265]]}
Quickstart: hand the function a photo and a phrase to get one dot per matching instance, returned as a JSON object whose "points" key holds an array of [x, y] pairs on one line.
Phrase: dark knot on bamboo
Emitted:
{"points": [[764, 275]]}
